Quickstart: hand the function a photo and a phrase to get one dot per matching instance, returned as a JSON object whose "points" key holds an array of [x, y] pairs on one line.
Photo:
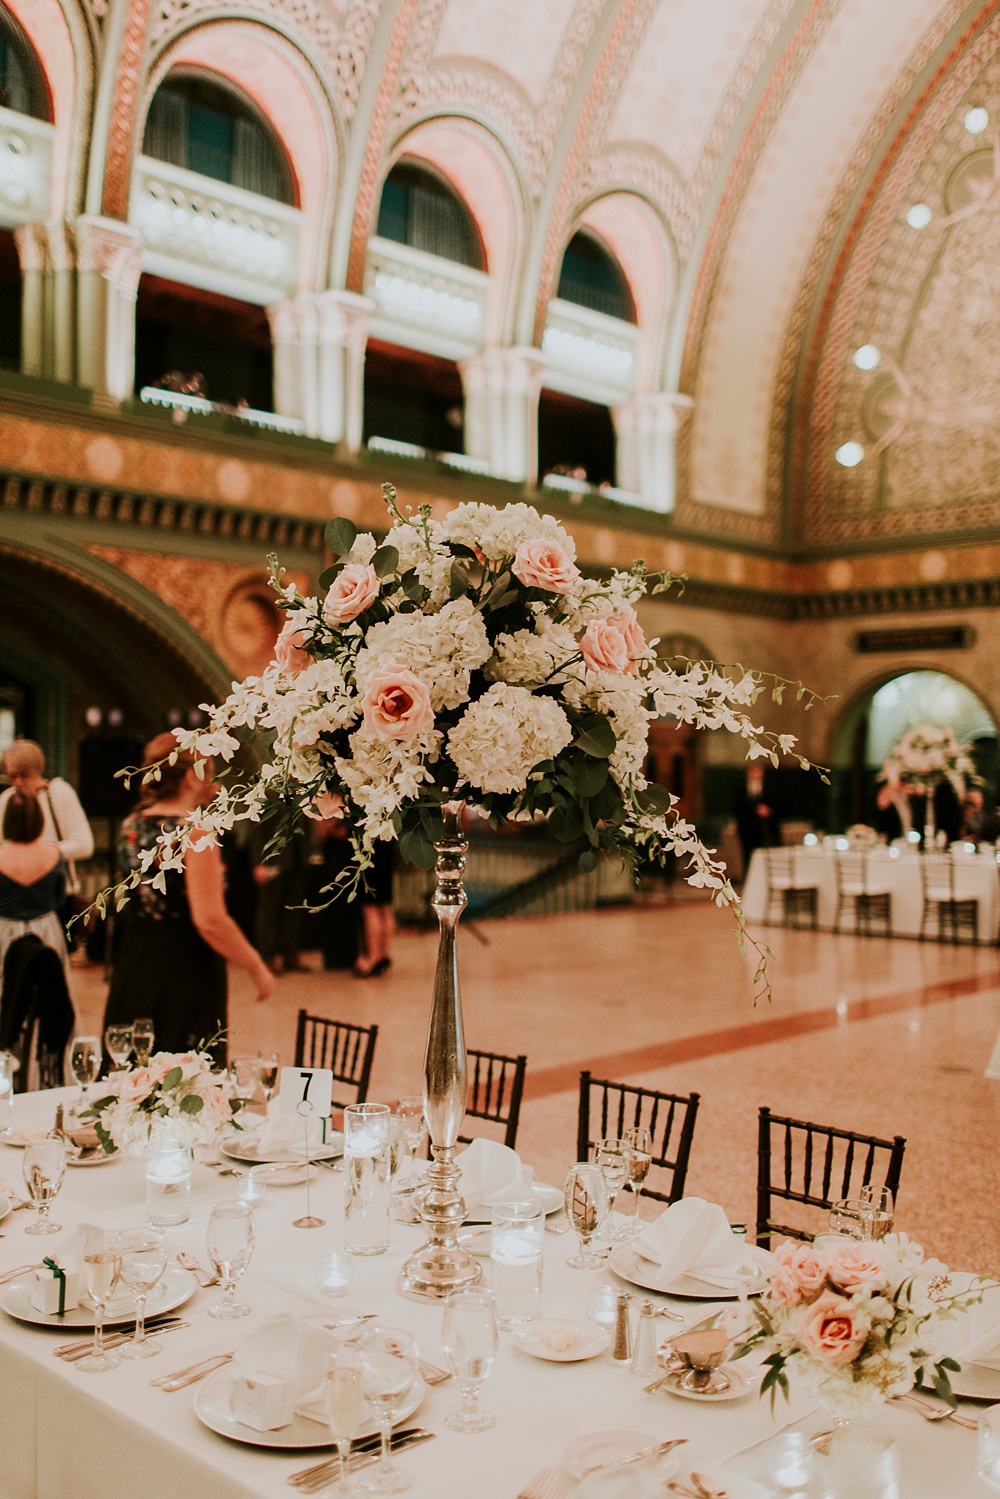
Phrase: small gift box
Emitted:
{"points": [[263, 1401], [55, 1290]]}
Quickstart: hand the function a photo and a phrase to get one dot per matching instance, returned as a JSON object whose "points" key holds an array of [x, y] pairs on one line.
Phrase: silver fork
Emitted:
{"points": [[932, 1412], [431, 1373], [548, 1483]]}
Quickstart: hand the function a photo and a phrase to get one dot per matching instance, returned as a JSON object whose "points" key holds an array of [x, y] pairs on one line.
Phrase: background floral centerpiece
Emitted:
{"points": [[926, 756], [178, 1090], [857, 1322]]}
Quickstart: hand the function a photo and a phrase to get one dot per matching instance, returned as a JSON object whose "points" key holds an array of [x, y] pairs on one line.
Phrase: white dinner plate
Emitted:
{"points": [[549, 1199], [591, 1340], [975, 1382], [600, 1447], [4, 1207], [741, 1382], [276, 1175], [478, 1241], [213, 1409], [632, 1267], [239, 1149], [20, 1138], [175, 1287]]}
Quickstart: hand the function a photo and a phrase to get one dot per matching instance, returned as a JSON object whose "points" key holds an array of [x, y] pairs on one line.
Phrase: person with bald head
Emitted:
{"points": [[65, 822]]}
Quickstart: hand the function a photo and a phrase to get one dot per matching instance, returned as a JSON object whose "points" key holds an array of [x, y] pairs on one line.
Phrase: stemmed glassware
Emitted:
{"points": [[390, 1369], [118, 1043], [640, 1143], [876, 1211], [85, 1063], [615, 1160], [244, 1075], [398, 1151], [470, 1335], [410, 1109], [44, 1167], [586, 1197], [144, 1259], [268, 1069], [102, 1261], [143, 1036], [344, 1398], [230, 1240], [8, 1066]]}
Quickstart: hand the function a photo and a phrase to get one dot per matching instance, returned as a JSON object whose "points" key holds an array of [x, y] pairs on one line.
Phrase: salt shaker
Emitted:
{"points": [[621, 1347], [644, 1361]]}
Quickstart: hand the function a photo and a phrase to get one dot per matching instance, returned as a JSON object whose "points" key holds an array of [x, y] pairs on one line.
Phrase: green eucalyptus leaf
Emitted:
{"points": [[328, 574], [340, 535], [459, 581], [193, 1103], [596, 737], [590, 775], [416, 850], [172, 1078], [385, 561], [654, 798], [607, 804]]}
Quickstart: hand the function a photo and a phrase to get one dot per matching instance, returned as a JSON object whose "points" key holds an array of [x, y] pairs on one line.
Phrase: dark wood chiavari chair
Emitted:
{"points": [[496, 1086], [795, 893], [669, 1117], [347, 1050], [954, 913]]}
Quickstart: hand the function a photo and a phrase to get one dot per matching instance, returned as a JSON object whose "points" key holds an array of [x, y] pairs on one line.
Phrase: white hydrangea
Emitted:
{"points": [[504, 735], [442, 649], [383, 776], [364, 548], [533, 657], [425, 553], [499, 533], [602, 600]]}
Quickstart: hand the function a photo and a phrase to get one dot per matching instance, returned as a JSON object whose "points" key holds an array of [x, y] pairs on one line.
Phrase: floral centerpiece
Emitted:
{"points": [[178, 1089], [856, 1321], [926, 756], [466, 659]]}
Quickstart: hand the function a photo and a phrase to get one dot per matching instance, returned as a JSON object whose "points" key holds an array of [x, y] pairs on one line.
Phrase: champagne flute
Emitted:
{"points": [[144, 1259], [8, 1066], [230, 1241], [640, 1142], [398, 1151], [389, 1365], [268, 1067], [614, 1158], [142, 1041], [244, 1073], [85, 1063], [410, 1109], [102, 1260], [586, 1196], [44, 1167], [343, 1397], [470, 1334], [118, 1043]]}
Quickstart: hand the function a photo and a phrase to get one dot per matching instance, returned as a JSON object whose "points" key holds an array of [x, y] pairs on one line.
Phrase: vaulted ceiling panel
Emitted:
{"points": [[519, 37]]}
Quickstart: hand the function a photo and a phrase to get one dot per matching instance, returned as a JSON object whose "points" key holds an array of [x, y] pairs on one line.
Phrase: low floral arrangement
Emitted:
{"points": [[857, 1321], [926, 756], [860, 836], [176, 1086]]}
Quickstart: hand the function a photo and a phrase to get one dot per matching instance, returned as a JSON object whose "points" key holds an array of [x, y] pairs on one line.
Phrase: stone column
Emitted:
{"points": [[502, 387], [319, 360], [60, 300], [33, 254], [109, 261], [283, 318], [646, 428]]}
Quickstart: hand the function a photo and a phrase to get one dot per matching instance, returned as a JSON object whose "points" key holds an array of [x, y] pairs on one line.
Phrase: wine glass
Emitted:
{"points": [[470, 1334], [144, 1259], [410, 1109], [877, 1211], [142, 1041], [846, 1217], [230, 1240], [8, 1066], [398, 1151], [268, 1070], [118, 1043], [44, 1167], [586, 1196], [344, 1397], [640, 1143], [85, 1063], [614, 1158], [389, 1365], [244, 1074], [102, 1260]]}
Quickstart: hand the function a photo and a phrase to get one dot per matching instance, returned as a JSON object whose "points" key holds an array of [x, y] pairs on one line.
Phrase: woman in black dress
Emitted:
{"points": [[171, 946], [378, 923]]}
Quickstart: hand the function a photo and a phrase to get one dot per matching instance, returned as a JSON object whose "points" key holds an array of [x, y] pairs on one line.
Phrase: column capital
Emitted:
{"points": [[653, 411], [515, 370], [32, 242], [110, 248]]}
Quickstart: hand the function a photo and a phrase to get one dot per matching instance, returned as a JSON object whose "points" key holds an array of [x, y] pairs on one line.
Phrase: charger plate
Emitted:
{"points": [[633, 1268], [213, 1409], [172, 1290], [250, 1153]]}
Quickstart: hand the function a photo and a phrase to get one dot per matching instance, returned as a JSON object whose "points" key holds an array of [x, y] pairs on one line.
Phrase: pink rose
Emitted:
{"points": [[325, 807], [353, 590], [635, 638], [857, 1266], [784, 1286], [290, 654], [833, 1330], [805, 1265], [544, 564], [140, 1083], [397, 705], [614, 644]]}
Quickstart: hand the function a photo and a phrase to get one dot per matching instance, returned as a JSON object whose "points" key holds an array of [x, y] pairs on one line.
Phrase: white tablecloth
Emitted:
{"points": [[64, 1433], [976, 877]]}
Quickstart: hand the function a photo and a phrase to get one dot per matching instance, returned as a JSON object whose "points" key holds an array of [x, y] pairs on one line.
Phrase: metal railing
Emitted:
{"points": [[438, 298]]}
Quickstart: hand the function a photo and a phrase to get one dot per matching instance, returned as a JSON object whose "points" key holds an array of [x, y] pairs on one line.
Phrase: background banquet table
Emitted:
{"points": [[111, 1436], [976, 877]]}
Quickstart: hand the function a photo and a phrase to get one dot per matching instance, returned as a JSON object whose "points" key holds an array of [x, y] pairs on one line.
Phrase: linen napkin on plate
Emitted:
{"points": [[289, 1349], [492, 1173], [974, 1336], [280, 1132], [692, 1237]]}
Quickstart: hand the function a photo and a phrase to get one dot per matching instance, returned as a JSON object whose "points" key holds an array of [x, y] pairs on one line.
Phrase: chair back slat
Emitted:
{"points": [[848, 1158], [496, 1087], [669, 1117], [347, 1050]]}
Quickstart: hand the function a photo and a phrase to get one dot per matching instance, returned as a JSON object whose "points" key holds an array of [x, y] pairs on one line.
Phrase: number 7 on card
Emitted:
{"points": [[306, 1091]]}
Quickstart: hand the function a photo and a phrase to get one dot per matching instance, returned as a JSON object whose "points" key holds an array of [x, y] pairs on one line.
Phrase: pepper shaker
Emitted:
{"points": [[621, 1348], [644, 1362]]}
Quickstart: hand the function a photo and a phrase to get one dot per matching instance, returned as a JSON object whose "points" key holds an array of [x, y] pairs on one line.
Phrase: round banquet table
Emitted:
{"points": [[111, 1436]]}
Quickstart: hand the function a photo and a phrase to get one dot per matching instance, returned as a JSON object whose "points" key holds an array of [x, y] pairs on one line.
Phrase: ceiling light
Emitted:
{"points": [[919, 216], [850, 454], [867, 357], [977, 120]]}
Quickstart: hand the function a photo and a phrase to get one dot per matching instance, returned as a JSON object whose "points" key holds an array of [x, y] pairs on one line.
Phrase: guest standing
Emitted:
{"points": [[756, 813], [32, 878], [64, 821], [378, 923], [171, 946]]}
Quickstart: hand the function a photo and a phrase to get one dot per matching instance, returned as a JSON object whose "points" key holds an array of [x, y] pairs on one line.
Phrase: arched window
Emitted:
{"points": [[22, 83], [591, 277], [208, 127], [419, 209]]}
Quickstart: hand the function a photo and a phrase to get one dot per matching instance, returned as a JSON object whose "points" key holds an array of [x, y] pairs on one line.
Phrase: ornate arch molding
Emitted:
{"points": [[647, 174], [67, 57]]}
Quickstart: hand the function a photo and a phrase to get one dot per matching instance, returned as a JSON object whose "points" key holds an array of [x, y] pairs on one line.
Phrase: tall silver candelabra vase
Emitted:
{"points": [[441, 1265]]}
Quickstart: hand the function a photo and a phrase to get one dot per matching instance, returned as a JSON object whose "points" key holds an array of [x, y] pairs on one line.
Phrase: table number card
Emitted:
{"points": [[306, 1091]]}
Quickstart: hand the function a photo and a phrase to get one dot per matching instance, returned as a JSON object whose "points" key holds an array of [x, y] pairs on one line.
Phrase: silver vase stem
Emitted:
{"points": [[441, 1265]]}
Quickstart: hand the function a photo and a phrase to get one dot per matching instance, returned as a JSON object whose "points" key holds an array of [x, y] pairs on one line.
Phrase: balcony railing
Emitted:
{"points": [[424, 302], [237, 242], [589, 354], [177, 400], [25, 169]]}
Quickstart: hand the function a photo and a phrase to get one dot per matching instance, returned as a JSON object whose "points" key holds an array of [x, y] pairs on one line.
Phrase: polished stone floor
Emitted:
{"points": [[888, 1037]]}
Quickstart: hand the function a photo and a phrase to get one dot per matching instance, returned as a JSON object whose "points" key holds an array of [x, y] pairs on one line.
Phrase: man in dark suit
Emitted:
{"points": [[756, 812]]}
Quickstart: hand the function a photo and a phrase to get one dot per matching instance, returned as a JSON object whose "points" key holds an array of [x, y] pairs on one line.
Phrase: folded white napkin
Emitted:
{"points": [[287, 1132], [493, 1173], [122, 1303], [692, 1237], [974, 1336], [288, 1348]]}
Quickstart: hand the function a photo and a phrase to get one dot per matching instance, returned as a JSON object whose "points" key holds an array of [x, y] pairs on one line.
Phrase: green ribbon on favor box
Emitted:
{"points": [[60, 1275]]}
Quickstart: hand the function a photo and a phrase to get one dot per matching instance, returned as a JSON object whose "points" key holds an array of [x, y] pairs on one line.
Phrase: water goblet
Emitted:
{"points": [[244, 1074], [143, 1035], [410, 1109], [614, 1158], [85, 1063], [118, 1043], [586, 1197], [470, 1334], [877, 1211], [863, 1465], [8, 1067], [268, 1067], [846, 1217], [390, 1370], [397, 1147], [143, 1261], [102, 1260], [343, 1398], [44, 1167], [230, 1240], [640, 1143]]}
